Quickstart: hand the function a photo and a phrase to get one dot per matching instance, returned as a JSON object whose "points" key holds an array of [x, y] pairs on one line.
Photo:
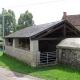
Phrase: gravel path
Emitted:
{"points": [[11, 75]]}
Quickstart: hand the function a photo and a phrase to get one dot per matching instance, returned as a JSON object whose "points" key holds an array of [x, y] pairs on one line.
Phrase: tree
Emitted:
{"points": [[9, 21], [25, 20]]}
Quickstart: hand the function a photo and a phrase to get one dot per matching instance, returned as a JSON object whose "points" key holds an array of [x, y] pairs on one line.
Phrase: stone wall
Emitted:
{"points": [[69, 56], [23, 55]]}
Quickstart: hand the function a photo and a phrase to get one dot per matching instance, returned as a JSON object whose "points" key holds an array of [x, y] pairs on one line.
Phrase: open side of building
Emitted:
{"points": [[36, 45]]}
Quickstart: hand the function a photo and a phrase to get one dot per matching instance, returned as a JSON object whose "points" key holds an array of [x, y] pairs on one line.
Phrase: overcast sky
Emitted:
{"points": [[43, 11]]}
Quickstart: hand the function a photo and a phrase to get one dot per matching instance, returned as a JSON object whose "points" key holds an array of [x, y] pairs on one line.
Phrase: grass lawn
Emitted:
{"points": [[57, 72]]}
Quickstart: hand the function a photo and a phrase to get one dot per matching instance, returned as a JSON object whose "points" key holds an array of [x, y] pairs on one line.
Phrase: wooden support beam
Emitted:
{"points": [[48, 39], [73, 31], [64, 31], [50, 31]]}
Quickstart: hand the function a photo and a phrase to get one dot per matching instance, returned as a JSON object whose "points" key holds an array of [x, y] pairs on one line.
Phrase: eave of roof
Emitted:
{"points": [[32, 31]]}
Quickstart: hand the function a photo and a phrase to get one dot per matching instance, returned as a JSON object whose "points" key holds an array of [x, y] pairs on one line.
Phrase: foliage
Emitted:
{"points": [[25, 20], [56, 72], [0, 30], [0, 37], [9, 21]]}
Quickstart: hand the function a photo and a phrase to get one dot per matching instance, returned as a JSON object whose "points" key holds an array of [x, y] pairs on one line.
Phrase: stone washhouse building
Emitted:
{"points": [[36, 45]]}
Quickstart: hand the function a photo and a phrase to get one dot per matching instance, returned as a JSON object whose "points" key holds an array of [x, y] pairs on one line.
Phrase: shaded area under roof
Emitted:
{"points": [[37, 29], [69, 43]]}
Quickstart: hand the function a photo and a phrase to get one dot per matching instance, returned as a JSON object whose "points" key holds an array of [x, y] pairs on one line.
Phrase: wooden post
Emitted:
{"points": [[64, 31]]}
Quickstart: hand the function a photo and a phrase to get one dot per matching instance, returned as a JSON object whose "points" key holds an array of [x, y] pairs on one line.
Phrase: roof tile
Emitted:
{"points": [[33, 30], [74, 19]]}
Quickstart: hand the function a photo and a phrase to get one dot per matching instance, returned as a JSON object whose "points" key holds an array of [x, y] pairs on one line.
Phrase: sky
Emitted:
{"points": [[43, 11]]}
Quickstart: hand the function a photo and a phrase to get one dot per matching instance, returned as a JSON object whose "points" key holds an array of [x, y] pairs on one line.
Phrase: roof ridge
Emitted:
{"points": [[73, 15]]}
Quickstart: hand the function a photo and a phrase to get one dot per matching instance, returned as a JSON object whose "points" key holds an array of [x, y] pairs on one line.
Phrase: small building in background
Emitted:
{"points": [[73, 19]]}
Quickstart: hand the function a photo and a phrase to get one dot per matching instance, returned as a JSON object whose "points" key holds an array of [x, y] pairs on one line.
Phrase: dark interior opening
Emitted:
{"points": [[24, 43], [48, 51], [48, 45], [10, 41]]}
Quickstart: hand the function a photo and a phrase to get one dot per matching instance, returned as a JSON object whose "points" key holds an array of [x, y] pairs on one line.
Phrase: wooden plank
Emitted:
{"points": [[48, 39], [73, 31], [64, 31], [50, 31]]}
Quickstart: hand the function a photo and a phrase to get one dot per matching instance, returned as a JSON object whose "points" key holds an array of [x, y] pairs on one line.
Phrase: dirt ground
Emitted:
{"points": [[11, 75]]}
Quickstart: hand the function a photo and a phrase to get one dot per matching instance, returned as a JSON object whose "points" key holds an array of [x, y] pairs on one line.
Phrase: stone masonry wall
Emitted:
{"points": [[23, 55], [69, 56]]}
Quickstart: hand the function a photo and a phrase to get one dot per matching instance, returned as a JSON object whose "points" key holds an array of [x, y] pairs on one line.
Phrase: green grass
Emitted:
{"points": [[57, 72], [1, 53], [0, 42]]}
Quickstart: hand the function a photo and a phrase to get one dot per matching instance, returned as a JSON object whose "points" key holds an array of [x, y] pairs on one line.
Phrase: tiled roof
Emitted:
{"points": [[33, 30], [74, 19], [37, 29]]}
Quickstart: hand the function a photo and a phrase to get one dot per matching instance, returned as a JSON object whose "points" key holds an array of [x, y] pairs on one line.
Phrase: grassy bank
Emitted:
{"points": [[57, 72]]}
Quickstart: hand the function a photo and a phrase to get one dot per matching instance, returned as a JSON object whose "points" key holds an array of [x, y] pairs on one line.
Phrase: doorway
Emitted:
{"points": [[48, 45], [48, 53]]}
